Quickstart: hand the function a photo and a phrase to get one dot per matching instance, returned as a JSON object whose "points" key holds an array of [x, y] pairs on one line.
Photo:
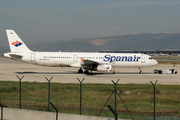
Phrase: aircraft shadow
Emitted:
{"points": [[119, 73], [69, 72], [134, 73], [72, 72], [46, 72]]}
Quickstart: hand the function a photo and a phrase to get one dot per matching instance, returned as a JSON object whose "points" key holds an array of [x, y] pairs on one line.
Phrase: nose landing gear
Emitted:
{"points": [[81, 71], [140, 71]]}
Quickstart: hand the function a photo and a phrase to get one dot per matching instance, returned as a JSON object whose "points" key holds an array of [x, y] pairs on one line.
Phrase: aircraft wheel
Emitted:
{"points": [[86, 72], [80, 71], [160, 71], [155, 71], [141, 72]]}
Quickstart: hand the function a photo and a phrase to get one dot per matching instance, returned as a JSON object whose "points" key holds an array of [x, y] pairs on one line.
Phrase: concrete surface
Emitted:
{"points": [[23, 114], [10, 68]]}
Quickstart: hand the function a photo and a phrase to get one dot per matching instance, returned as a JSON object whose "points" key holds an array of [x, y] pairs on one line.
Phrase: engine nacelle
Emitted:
{"points": [[104, 68]]}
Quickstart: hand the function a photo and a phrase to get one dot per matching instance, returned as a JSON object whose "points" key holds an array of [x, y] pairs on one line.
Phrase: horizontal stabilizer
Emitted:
{"points": [[13, 56]]}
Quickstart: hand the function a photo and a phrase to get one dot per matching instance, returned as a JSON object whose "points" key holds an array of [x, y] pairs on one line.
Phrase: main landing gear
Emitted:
{"points": [[140, 71], [86, 72], [81, 71]]}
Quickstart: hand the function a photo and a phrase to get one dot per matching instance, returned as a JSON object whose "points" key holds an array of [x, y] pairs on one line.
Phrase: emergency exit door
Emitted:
{"points": [[32, 56], [142, 59]]}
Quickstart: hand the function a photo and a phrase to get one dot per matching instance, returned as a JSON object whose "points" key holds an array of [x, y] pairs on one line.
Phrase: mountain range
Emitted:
{"points": [[143, 41]]}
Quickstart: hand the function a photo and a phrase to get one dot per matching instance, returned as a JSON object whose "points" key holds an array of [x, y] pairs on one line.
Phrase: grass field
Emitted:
{"points": [[66, 97], [167, 59]]}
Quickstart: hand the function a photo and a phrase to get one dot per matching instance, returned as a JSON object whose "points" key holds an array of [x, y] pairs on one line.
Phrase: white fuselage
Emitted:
{"points": [[66, 59]]}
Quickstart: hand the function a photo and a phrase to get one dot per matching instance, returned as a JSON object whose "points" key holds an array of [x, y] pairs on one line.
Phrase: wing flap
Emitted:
{"points": [[85, 63], [89, 62]]}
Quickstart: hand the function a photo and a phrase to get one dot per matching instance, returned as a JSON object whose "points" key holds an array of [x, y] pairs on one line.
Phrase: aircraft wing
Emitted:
{"points": [[89, 62], [95, 65], [86, 63]]}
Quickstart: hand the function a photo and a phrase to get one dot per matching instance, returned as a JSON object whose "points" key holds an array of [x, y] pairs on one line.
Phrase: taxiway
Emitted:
{"points": [[9, 69]]}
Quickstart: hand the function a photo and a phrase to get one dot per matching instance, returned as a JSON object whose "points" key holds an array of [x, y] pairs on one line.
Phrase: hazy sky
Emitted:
{"points": [[51, 20]]}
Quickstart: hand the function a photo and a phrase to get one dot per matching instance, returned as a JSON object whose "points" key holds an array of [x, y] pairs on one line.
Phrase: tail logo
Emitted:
{"points": [[17, 43]]}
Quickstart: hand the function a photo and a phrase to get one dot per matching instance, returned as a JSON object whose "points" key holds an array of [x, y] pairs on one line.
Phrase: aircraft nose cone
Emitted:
{"points": [[155, 62]]}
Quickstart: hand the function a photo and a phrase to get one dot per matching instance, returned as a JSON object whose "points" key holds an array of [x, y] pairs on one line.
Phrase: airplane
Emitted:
{"points": [[85, 61]]}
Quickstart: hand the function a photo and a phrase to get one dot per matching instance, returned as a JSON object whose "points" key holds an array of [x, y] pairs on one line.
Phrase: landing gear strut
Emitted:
{"points": [[140, 71], [80, 70]]}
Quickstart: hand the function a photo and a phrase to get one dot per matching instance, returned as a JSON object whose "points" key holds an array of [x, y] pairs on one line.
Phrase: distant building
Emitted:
{"points": [[165, 51]]}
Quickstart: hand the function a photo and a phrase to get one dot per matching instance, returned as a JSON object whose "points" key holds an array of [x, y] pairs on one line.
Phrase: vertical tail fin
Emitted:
{"points": [[15, 43]]}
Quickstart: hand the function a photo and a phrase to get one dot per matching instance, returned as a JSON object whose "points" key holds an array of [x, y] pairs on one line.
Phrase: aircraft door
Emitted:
{"points": [[32, 56], [142, 59], [75, 58]]}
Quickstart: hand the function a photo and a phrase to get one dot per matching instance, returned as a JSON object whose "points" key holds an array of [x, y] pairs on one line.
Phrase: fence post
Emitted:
{"points": [[126, 107], [80, 93], [115, 92], [1, 111], [20, 90], [106, 103], [55, 110], [110, 96], [154, 97], [114, 112], [121, 99], [49, 92]]}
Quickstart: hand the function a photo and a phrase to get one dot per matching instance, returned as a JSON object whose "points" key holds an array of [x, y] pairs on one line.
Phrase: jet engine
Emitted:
{"points": [[104, 68]]}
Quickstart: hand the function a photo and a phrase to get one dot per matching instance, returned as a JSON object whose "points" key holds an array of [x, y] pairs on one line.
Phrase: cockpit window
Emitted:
{"points": [[150, 58]]}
